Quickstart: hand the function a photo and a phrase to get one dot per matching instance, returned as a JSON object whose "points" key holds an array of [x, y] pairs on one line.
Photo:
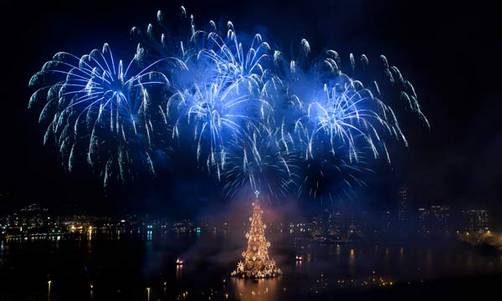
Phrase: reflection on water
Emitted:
{"points": [[49, 283], [148, 293], [262, 289], [179, 271], [352, 261], [192, 268]]}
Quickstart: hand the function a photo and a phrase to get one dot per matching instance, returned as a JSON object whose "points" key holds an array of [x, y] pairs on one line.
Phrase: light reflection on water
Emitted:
{"points": [[147, 268], [263, 289]]}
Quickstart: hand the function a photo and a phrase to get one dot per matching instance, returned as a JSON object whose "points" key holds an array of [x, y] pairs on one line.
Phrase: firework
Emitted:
{"points": [[329, 176], [221, 101], [213, 112], [259, 163], [100, 108], [258, 118], [334, 111]]}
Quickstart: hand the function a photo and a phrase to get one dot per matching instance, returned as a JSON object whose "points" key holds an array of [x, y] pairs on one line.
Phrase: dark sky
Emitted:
{"points": [[451, 52]]}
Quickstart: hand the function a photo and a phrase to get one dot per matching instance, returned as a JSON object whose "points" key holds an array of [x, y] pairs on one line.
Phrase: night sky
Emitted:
{"points": [[451, 52]]}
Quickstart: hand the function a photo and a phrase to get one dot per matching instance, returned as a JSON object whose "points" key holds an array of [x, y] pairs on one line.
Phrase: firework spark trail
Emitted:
{"points": [[258, 117], [100, 107], [331, 175], [222, 96], [215, 113], [261, 164], [339, 110], [219, 98], [342, 115]]}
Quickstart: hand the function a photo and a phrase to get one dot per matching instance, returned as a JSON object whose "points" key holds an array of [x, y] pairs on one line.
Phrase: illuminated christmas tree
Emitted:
{"points": [[256, 263]]}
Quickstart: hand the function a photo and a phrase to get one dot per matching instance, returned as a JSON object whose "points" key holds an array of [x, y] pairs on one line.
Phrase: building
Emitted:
{"points": [[476, 220], [403, 210], [434, 220]]}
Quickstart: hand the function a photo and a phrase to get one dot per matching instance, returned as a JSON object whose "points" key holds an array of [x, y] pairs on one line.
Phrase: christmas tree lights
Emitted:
{"points": [[256, 262]]}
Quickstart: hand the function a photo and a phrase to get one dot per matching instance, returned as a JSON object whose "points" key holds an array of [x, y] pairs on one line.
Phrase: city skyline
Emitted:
{"points": [[425, 222]]}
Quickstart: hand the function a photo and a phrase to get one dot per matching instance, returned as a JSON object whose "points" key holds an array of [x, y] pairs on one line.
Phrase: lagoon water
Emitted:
{"points": [[136, 268]]}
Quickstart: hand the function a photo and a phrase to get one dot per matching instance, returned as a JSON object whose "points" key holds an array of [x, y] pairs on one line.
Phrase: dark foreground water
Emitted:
{"points": [[141, 269]]}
